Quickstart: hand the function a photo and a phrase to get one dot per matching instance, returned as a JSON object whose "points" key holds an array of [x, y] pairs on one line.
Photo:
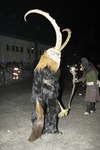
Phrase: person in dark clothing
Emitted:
{"points": [[90, 76]]}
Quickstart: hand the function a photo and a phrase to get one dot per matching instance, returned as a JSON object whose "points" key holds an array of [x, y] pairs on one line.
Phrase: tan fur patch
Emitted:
{"points": [[45, 60], [39, 124]]}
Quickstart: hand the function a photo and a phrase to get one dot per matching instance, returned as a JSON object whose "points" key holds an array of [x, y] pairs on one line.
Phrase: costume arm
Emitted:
{"points": [[82, 79]]}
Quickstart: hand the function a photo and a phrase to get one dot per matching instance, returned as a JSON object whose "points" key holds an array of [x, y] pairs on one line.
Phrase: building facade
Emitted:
{"points": [[15, 49]]}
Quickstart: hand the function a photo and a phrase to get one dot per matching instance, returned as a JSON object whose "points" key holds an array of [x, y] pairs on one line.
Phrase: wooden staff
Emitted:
{"points": [[65, 112]]}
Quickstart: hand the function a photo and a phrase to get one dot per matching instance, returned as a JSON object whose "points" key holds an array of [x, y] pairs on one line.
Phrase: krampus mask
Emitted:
{"points": [[46, 85]]}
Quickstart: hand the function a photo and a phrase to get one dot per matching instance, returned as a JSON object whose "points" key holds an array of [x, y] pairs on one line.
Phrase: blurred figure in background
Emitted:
{"points": [[90, 76]]}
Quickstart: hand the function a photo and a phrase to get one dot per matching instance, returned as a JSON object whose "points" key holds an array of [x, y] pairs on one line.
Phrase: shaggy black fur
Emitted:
{"points": [[47, 96]]}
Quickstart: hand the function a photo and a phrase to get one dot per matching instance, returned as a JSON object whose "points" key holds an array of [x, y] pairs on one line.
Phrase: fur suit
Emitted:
{"points": [[45, 91], [46, 85]]}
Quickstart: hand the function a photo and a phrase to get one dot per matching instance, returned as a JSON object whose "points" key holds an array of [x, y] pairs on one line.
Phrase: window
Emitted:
{"points": [[13, 48], [17, 49], [40, 52], [32, 50], [21, 49], [7, 47], [28, 50]]}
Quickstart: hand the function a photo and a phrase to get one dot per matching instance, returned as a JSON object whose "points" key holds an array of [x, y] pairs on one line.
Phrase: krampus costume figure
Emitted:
{"points": [[46, 85]]}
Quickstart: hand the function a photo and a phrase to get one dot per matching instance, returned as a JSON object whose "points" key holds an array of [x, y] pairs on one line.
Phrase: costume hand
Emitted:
{"points": [[75, 80]]}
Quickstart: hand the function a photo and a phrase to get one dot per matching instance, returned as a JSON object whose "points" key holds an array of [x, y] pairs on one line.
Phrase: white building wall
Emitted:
{"points": [[10, 55]]}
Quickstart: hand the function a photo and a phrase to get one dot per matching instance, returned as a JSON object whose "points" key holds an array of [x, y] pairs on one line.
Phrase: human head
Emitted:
{"points": [[84, 62]]}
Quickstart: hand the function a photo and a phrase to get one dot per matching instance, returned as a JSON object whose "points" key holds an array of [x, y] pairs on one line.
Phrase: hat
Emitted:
{"points": [[84, 62]]}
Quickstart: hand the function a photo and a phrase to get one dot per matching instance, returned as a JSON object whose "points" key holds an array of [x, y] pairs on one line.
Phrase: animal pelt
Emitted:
{"points": [[44, 97], [46, 84]]}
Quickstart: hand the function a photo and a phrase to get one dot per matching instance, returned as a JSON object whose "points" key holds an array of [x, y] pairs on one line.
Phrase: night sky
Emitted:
{"points": [[82, 17]]}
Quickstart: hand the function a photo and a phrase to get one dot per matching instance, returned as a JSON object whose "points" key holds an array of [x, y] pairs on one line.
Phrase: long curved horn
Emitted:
{"points": [[53, 22], [67, 39]]}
